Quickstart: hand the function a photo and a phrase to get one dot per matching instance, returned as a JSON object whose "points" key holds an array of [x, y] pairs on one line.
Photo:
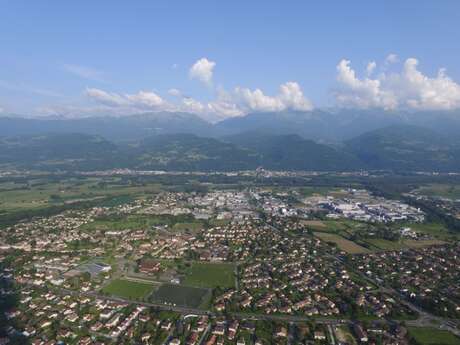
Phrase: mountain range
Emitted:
{"points": [[332, 126], [324, 141]]}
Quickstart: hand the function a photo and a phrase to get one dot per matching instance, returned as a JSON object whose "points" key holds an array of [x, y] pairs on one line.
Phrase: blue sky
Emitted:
{"points": [[97, 56]]}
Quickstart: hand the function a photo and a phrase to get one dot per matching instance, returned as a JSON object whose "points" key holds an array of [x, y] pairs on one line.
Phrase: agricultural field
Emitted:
{"points": [[340, 227], [210, 275], [343, 244], [449, 191], [432, 336], [323, 191], [382, 244], [422, 243], [190, 226], [185, 296], [433, 229], [41, 193], [314, 224], [129, 289]]}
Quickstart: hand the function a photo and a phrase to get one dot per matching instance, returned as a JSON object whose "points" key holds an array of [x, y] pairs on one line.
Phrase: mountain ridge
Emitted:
{"points": [[397, 148]]}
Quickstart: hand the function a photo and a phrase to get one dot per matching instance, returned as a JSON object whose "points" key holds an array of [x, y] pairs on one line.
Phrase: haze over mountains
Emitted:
{"points": [[314, 140]]}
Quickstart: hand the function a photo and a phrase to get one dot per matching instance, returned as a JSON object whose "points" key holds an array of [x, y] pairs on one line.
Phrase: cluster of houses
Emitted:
{"points": [[282, 270], [428, 276]]}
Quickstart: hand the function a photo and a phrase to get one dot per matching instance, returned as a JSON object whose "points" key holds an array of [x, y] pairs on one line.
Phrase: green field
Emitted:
{"points": [[450, 191], [179, 295], [128, 289], [343, 244], [136, 221], [192, 226], [210, 275], [436, 230], [40, 193], [312, 191], [432, 336]]}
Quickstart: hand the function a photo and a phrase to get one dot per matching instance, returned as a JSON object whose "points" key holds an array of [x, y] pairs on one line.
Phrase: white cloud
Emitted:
{"points": [[370, 67], [409, 88], [361, 93], [423, 92], [107, 98], [140, 100], [202, 70], [2, 110], [191, 105], [146, 98], [391, 58], [175, 92], [256, 100], [290, 97], [238, 102], [84, 72]]}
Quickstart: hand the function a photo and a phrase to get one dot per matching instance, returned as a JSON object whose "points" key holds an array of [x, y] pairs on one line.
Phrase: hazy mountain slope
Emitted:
{"points": [[293, 152], [339, 125], [406, 148], [323, 126], [61, 151], [190, 152], [399, 148], [134, 127]]}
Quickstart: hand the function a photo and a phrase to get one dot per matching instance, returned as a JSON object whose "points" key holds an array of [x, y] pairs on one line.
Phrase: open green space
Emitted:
{"points": [[128, 289], [40, 193], [343, 244], [437, 230], [210, 275], [317, 190], [138, 221], [450, 191], [341, 226], [433, 336], [179, 295], [191, 226], [383, 244]]}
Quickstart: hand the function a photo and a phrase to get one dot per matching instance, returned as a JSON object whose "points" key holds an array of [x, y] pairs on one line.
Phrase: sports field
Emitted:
{"points": [[128, 289], [432, 336], [179, 295], [210, 275]]}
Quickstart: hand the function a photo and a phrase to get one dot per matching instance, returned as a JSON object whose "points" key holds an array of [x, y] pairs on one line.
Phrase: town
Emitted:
{"points": [[229, 266]]}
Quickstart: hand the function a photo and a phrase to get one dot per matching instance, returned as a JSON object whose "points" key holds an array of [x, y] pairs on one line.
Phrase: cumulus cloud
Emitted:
{"points": [[238, 102], [191, 105], [141, 100], [175, 92], [146, 98], [423, 92], [391, 58], [361, 93], [290, 97], [409, 88], [202, 70], [107, 98], [371, 67]]}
